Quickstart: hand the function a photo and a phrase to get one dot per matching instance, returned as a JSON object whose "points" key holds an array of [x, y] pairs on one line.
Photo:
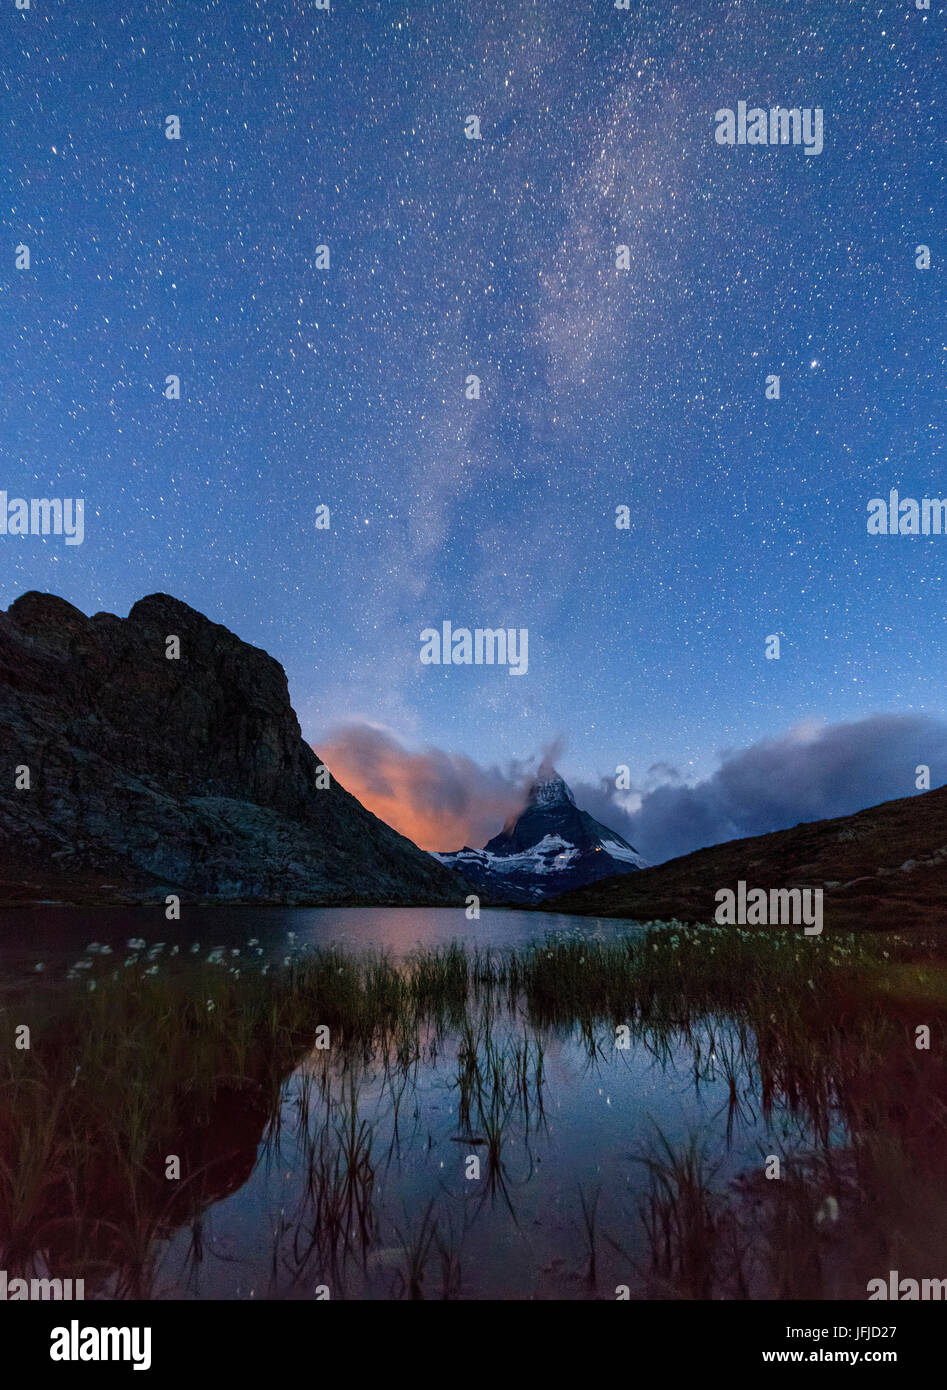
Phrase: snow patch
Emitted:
{"points": [[548, 855], [625, 853]]}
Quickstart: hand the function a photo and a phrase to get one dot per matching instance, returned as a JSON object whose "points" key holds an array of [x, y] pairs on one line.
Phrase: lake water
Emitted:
{"points": [[371, 1177], [57, 936]]}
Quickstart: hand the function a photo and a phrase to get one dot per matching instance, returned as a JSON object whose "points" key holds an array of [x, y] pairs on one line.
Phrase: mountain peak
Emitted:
{"points": [[549, 789], [549, 846]]}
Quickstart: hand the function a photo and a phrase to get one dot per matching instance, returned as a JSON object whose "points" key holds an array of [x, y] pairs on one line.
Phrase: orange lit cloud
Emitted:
{"points": [[440, 800]]}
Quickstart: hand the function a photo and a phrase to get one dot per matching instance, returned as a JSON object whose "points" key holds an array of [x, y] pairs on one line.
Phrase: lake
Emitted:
{"points": [[56, 936], [496, 1147]]}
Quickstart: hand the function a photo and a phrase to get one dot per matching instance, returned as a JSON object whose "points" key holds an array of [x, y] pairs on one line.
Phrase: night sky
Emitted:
{"points": [[345, 386]]}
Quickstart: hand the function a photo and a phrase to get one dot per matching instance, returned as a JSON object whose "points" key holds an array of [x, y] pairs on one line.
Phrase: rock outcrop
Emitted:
{"points": [[150, 775]]}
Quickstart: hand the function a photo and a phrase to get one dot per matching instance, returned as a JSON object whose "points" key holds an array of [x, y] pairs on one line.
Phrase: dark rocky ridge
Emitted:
{"points": [[885, 867], [151, 775]]}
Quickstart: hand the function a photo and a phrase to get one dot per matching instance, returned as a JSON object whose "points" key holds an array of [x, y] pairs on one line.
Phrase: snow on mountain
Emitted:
{"points": [[626, 853], [549, 848]]}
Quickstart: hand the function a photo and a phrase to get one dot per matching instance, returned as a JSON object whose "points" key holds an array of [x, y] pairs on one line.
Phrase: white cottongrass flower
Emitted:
{"points": [[828, 1213]]}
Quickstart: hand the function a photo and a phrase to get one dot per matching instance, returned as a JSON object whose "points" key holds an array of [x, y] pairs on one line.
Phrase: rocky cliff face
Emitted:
{"points": [[149, 775]]}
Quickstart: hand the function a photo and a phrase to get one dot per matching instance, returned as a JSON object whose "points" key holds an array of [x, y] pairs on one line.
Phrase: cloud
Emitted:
{"points": [[439, 800], [551, 754], [813, 771]]}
